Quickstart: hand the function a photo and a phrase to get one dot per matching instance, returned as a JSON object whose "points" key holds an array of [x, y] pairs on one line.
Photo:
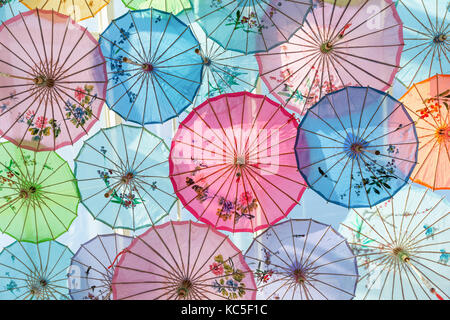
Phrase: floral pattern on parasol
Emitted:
{"points": [[232, 162], [401, 246], [123, 175], [302, 259], [427, 103], [250, 26], [352, 45], [356, 147], [52, 81], [182, 260]]}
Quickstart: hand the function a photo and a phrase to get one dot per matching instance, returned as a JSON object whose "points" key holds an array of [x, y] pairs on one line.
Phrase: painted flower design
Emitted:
{"points": [[30, 114], [126, 199], [433, 106], [263, 275], [41, 122], [231, 284], [216, 268], [80, 93], [245, 198], [39, 127], [80, 113], [249, 23], [226, 211], [6, 103]]}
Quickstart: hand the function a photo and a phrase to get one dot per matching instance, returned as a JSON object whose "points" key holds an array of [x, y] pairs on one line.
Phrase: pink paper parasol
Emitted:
{"points": [[339, 45], [182, 260], [52, 80], [232, 162]]}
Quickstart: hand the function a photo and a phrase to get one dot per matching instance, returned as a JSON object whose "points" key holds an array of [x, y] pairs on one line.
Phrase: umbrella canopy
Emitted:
{"points": [[93, 267], [356, 147], [172, 6], [248, 27], [38, 194], [224, 71], [302, 259], [351, 45], [76, 9], [427, 102], [232, 162], [34, 271], [183, 260], [123, 175], [52, 80], [10, 8], [427, 39], [154, 71], [401, 246]]}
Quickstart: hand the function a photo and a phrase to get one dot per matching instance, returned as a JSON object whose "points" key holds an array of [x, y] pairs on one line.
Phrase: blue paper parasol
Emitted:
{"points": [[122, 174], [154, 72], [356, 147], [427, 38], [34, 271], [250, 26]]}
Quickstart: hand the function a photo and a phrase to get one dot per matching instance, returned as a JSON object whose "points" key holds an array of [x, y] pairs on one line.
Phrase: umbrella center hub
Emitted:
{"points": [[206, 61], [184, 287], [37, 286], [240, 161], [43, 81], [440, 38], [357, 148], [28, 192], [43, 282], [326, 47], [147, 67], [126, 179], [299, 276], [400, 253], [443, 133]]}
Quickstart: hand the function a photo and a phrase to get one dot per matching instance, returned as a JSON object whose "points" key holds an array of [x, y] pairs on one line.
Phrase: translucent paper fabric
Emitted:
{"points": [[414, 225], [93, 266], [232, 162], [302, 260], [183, 260], [427, 40], [356, 147], [427, 103], [249, 27], [52, 80], [224, 71], [76, 9], [154, 72], [10, 8], [123, 175], [354, 45], [34, 271], [171, 6], [38, 194]]}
